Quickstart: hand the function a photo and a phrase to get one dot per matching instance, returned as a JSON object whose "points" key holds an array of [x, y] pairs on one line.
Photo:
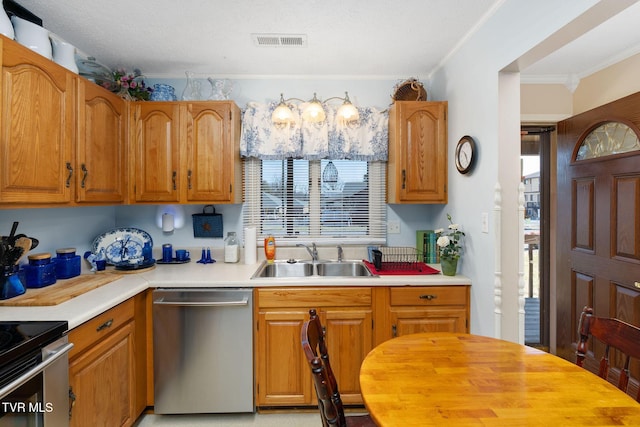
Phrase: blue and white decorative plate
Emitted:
{"points": [[122, 245]]}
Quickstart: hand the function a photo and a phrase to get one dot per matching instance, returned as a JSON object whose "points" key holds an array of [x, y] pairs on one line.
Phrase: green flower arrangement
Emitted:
{"points": [[132, 86]]}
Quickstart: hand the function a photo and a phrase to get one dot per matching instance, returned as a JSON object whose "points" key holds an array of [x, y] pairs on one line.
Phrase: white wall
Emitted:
{"points": [[59, 227], [471, 82]]}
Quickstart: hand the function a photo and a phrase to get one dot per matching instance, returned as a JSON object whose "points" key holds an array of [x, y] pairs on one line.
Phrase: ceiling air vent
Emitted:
{"points": [[280, 40]]}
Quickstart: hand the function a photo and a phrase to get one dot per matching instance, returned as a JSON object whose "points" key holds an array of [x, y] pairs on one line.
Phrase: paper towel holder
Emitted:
{"points": [[168, 223], [169, 218]]}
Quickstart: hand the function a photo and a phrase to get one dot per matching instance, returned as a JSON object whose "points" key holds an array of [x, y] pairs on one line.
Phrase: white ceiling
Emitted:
{"points": [[348, 39]]}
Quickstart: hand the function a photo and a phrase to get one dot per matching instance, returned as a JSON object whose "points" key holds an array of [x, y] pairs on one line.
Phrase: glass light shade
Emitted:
{"points": [[282, 115], [348, 112], [314, 112]]}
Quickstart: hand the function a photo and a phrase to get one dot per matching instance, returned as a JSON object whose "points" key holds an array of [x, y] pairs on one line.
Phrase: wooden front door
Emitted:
{"points": [[598, 248]]}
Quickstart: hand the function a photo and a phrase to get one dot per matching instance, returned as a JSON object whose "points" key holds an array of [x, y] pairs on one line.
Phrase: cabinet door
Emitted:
{"points": [[210, 152], [156, 151], [102, 380], [282, 372], [101, 145], [417, 152], [411, 320], [37, 128], [349, 334]]}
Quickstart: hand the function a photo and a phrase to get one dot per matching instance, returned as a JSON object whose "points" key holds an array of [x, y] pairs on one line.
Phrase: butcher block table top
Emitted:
{"points": [[62, 290], [444, 379]]}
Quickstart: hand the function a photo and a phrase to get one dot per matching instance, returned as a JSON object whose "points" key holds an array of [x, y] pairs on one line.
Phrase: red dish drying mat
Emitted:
{"points": [[420, 268]]}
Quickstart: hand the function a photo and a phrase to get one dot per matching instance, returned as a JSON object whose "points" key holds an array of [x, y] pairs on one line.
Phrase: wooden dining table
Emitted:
{"points": [[445, 379]]}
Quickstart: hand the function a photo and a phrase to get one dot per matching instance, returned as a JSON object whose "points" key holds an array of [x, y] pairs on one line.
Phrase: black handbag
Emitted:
{"points": [[207, 224]]}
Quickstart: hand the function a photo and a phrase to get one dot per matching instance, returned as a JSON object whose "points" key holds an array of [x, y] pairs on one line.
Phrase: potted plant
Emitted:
{"points": [[449, 243]]}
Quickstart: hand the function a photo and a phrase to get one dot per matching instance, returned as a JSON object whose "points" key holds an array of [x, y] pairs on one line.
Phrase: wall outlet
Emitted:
{"points": [[485, 222], [393, 227]]}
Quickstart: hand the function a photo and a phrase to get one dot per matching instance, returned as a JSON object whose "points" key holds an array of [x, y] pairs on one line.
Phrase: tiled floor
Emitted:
{"points": [[311, 419]]}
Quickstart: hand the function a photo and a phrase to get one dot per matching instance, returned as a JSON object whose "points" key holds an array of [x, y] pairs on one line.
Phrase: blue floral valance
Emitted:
{"points": [[367, 139]]}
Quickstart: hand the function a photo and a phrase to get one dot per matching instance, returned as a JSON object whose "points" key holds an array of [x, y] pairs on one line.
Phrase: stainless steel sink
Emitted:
{"points": [[293, 268], [284, 269], [343, 269]]}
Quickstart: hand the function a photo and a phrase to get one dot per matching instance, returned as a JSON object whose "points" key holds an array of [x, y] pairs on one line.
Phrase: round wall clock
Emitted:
{"points": [[465, 154]]}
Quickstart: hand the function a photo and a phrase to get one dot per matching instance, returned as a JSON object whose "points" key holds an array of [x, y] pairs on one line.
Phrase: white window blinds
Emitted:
{"points": [[322, 201]]}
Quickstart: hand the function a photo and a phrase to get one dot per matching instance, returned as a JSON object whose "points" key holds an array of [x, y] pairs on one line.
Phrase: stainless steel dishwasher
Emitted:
{"points": [[203, 350]]}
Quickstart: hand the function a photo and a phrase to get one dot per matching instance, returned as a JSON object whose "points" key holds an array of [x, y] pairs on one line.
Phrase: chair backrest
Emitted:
{"points": [[613, 333], [315, 349]]}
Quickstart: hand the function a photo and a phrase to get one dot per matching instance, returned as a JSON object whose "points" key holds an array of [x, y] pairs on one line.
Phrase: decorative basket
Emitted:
{"points": [[410, 90], [207, 224]]}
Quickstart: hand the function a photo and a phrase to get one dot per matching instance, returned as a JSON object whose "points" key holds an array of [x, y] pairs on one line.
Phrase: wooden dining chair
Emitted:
{"points": [[613, 333], [329, 401]]}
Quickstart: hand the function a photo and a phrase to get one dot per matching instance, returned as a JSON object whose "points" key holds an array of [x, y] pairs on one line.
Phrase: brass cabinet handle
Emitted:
{"points": [[428, 297], [85, 172], [70, 169], [404, 179], [189, 179], [105, 325], [173, 179]]}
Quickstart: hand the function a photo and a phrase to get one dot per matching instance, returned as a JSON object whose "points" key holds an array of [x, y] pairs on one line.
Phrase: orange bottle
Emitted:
{"points": [[270, 248]]}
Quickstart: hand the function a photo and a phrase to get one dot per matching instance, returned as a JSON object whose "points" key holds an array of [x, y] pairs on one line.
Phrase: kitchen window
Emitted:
{"points": [[322, 201]]}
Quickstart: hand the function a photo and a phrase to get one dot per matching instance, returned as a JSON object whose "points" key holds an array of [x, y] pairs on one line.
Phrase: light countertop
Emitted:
{"points": [[193, 275]]}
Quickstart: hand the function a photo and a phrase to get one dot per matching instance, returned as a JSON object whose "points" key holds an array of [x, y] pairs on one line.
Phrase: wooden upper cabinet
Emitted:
{"points": [[417, 166], [37, 112], [155, 146], [102, 125], [67, 141], [213, 167], [186, 152]]}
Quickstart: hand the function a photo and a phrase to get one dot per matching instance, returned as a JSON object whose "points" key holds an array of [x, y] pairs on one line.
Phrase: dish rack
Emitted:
{"points": [[397, 258]]}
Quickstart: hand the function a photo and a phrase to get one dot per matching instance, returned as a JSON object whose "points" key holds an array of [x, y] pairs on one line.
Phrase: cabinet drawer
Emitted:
{"points": [[314, 297], [429, 295], [93, 330]]}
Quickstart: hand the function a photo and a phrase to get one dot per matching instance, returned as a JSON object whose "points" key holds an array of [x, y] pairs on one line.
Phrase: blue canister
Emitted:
{"points": [[10, 282], [40, 271], [67, 263], [147, 252], [167, 252]]}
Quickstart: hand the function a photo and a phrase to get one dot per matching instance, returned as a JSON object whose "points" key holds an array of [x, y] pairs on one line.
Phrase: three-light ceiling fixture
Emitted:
{"points": [[314, 112]]}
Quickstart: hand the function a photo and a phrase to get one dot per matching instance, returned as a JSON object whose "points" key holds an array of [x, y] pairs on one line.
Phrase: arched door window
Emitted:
{"points": [[607, 139]]}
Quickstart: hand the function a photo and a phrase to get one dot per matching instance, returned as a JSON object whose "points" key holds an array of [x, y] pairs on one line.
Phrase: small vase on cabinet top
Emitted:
{"points": [[64, 54], [32, 36], [191, 91], [6, 28]]}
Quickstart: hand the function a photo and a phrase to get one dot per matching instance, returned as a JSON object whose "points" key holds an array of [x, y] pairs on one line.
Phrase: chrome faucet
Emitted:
{"points": [[313, 252], [340, 253]]}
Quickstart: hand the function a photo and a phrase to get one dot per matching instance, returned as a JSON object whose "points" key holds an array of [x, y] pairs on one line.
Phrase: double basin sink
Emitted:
{"points": [[321, 268]]}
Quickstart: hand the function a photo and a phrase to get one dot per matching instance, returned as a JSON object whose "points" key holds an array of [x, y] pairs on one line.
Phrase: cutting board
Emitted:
{"points": [[62, 290]]}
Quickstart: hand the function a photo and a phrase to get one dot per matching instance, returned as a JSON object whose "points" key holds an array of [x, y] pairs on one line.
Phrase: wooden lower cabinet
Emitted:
{"points": [[106, 383], [428, 309], [282, 373], [355, 318], [102, 382]]}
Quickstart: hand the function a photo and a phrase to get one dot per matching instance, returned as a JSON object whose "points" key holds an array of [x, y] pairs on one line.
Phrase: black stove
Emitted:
{"points": [[20, 340]]}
